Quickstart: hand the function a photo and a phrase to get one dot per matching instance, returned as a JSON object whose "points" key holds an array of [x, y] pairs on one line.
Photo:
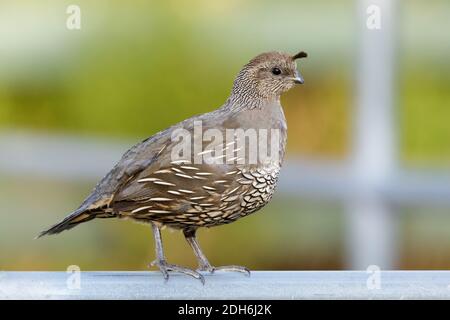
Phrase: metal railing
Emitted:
{"points": [[260, 285], [371, 184]]}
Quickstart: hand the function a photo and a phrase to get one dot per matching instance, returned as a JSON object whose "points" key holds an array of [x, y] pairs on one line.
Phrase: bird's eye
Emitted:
{"points": [[276, 71]]}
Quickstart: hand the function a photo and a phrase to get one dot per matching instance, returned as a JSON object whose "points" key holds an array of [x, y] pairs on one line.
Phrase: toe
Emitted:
{"points": [[234, 268], [165, 267], [209, 269]]}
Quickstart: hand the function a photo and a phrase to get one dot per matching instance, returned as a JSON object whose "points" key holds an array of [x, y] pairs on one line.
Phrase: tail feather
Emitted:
{"points": [[72, 220]]}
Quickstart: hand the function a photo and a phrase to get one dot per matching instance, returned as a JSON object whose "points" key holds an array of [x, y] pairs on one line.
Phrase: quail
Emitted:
{"points": [[162, 182]]}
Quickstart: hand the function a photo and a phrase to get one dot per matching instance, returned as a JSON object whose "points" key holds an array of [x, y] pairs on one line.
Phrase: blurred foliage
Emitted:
{"points": [[425, 111], [141, 68], [424, 83]]}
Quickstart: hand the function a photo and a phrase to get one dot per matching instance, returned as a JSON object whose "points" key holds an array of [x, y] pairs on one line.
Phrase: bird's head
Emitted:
{"points": [[268, 75]]}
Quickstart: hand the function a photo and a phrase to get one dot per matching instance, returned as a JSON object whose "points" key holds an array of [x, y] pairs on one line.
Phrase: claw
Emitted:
{"points": [[164, 267], [233, 268]]}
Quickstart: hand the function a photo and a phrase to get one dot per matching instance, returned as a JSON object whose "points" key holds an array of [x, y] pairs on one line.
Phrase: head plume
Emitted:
{"points": [[301, 54]]}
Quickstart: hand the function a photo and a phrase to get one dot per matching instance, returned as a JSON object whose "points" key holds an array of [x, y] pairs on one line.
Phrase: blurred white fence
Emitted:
{"points": [[370, 184]]}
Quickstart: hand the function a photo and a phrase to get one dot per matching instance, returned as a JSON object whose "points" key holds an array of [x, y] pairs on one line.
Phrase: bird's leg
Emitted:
{"points": [[203, 263], [161, 262]]}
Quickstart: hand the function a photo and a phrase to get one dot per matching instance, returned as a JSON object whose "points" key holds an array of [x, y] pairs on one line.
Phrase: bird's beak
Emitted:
{"points": [[298, 79]]}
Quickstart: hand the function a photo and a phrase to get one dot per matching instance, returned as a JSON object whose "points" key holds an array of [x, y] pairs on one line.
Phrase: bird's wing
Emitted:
{"points": [[172, 183], [136, 159], [143, 158]]}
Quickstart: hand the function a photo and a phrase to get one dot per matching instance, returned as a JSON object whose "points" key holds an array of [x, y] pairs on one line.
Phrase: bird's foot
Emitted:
{"points": [[232, 268], [165, 267]]}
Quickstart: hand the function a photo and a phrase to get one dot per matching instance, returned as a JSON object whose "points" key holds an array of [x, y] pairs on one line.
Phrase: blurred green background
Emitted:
{"points": [[137, 67]]}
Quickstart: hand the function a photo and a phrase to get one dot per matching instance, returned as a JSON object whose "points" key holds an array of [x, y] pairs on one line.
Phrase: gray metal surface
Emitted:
{"points": [[261, 285]]}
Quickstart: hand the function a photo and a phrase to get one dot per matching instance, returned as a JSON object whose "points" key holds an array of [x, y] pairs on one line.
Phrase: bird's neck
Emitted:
{"points": [[247, 95], [249, 98]]}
